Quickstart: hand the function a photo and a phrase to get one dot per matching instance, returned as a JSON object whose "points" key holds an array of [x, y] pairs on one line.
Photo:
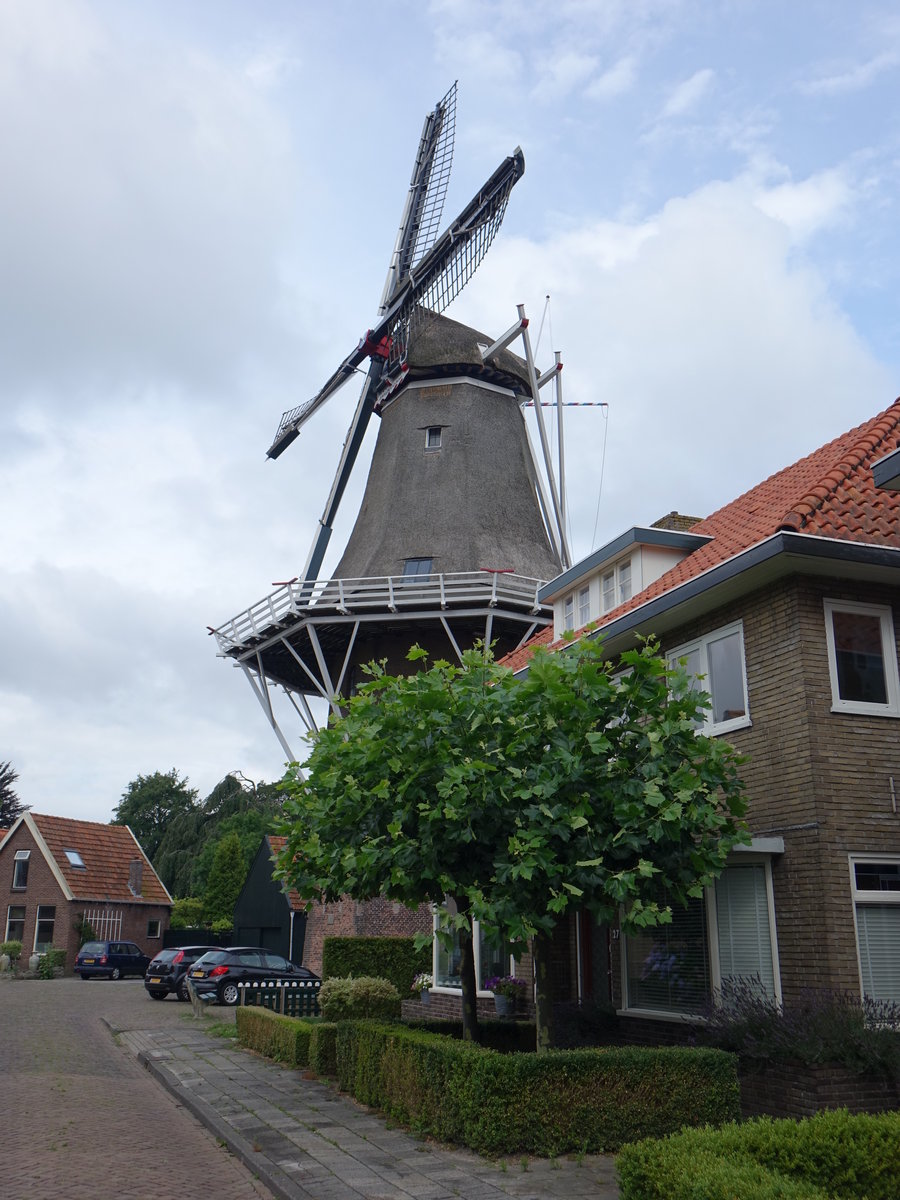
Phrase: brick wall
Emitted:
{"points": [[351, 918], [795, 1090]]}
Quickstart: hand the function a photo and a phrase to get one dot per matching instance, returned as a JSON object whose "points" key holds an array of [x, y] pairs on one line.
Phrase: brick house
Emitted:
{"points": [[57, 874], [786, 603]]}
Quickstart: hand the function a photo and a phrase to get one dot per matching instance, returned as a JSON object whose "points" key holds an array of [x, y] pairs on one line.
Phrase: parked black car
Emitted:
{"points": [[219, 972], [110, 960], [166, 973]]}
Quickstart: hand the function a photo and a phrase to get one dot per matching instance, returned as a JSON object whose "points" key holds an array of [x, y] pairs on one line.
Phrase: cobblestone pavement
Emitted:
{"points": [[82, 1119], [296, 1135]]}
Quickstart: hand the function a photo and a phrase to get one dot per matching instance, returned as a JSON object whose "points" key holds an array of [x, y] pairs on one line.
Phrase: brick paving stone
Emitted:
{"points": [[295, 1136]]}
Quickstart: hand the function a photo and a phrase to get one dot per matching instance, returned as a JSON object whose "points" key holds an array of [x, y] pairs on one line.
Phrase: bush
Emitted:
{"points": [[393, 958], [355, 999], [52, 958], [817, 1027], [13, 950], [286, 1039], [592, 1100], [323, 1048], [831, 1156], [187, 913]]}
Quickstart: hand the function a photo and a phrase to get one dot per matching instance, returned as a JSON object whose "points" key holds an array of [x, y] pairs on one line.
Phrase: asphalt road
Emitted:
{"points": [[81, 1119]]}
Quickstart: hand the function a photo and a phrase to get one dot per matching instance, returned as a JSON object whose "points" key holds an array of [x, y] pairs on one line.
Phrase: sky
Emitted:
{"points": [[199, 203]]}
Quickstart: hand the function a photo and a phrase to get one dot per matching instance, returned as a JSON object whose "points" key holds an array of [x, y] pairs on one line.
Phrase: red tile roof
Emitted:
{"points": [[276, 845], [830, 493], [107, 852]]}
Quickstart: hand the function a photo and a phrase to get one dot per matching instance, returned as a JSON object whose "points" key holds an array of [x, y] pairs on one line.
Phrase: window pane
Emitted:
{"points": [[15, 923], [742, 917], [417, 566], [877, 877], [448, 972], [44, 935], [726, 678], [569, 615], [494, 960], [609, 591], [667, 967], [584, 606], [860, 661], [624, 582], [20, 874], [879, 950]]}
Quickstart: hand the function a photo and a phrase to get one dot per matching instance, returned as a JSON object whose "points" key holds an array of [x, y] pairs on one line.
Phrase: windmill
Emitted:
{"points": [[459, 524]]}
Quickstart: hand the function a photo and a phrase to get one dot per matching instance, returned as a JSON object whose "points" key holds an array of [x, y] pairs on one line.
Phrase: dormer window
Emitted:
{"points": [[433, 437], [75, 859], [615, 586]]}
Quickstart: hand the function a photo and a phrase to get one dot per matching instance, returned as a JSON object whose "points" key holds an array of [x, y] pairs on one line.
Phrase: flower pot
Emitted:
{"points": [[503, 1005], [425, 996]]}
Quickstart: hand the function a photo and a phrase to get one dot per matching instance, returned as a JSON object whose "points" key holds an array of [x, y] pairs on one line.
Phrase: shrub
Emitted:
{"points": [[818, 1027], [832, 1155], [13, 950], [187, 913], [538, 1104], [52, 958], [286, 1039], [323, 1048], [393, 958], [355, 999]]}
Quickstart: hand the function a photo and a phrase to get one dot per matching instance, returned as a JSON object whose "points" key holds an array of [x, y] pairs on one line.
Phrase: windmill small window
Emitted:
{"points": [[417, 566], [433, 437]]}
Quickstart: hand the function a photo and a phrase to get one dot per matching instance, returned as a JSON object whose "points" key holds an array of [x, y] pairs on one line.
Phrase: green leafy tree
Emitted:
{"points": [[518, 799], [150, 803], [226, 878], [187, 913], [10, 804]]}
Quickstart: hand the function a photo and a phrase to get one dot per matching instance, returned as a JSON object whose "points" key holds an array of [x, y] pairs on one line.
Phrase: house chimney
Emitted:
{"points": [[136, 876], [677, 521]]}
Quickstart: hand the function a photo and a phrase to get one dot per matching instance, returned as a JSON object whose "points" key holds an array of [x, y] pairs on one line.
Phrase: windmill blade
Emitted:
{"points": [[434, 283], [425, 200]]}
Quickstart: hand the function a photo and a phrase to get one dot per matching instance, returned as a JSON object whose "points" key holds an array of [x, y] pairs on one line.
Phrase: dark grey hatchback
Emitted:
{"points": [[218, 972], [166, 973]]}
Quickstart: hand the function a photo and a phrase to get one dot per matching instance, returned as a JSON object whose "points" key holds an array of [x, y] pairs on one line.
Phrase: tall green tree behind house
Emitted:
{"points": [[150, 803], [10, 804], [583, 785], [226, 878]]}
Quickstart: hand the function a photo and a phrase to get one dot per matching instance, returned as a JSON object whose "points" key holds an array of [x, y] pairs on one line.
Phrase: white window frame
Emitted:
{"points": [[889, 655], [615, 574], [24, 918], [701, 645], [569, 611], [476, 940], [712, 941], [37, 926], [434, 443], [21, 856], [584, 606], [153, 928], [868, 899]]}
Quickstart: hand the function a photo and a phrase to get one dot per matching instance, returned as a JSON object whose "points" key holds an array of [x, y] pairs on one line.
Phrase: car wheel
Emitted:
{"points": [[183, 993], [85, 978], [115, 973], [158, 995], [229, 994]]}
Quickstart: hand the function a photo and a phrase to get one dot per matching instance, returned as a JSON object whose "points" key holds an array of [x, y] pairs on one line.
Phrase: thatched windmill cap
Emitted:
{"points": [[439, 346]]}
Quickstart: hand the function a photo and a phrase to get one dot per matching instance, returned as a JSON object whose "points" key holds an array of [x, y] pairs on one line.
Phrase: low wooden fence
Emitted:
{"points": [[291, 998]]}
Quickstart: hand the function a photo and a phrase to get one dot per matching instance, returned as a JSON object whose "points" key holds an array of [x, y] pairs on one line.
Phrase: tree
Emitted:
{"points": [[517, 798], [226, 878], [150, 802], [10, 804]]}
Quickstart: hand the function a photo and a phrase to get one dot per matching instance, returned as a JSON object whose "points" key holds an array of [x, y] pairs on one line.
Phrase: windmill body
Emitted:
{"points": [[455, 533]]}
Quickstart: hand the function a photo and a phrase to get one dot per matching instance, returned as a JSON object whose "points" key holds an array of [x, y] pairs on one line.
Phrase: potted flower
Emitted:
{"points": [[507, 993], [421, 986]]}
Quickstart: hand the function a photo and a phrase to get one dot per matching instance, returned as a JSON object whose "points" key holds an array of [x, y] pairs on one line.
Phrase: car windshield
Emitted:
{"points": [[165, 956], [91, 948]]}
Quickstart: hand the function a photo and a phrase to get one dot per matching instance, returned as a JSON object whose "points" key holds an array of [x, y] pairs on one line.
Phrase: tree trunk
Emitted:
{"points": [[543, 999], [467, 971]]}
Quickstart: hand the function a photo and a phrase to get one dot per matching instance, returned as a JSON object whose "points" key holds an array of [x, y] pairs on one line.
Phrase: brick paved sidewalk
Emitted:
{"points": [[306, 1142]]}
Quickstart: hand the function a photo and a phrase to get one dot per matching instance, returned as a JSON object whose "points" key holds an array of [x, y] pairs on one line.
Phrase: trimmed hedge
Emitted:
{"points": [[393, 958], [363, 998], [505, 1036], [286, 1039], [831, 1156], [323, 1048], [571, 1100]]}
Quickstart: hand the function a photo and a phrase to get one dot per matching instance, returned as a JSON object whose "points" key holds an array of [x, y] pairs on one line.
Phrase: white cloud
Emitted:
{"points": [[687, 95], [620, 78], [810, 205], [855, 79], [563, 73]]}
